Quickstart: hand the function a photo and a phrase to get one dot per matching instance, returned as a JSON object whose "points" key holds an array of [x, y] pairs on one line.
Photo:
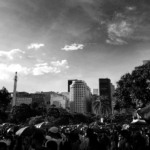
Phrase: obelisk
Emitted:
{"points": [[14, 92]]}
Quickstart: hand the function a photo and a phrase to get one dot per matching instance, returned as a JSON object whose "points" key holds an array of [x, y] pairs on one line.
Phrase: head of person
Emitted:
{"points": [[37, 138], [3, 146], [53, 132], [51, 145]]}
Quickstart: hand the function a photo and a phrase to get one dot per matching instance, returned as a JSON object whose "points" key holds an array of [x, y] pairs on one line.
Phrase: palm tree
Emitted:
{"points": [[105, 106], [97, 107]]}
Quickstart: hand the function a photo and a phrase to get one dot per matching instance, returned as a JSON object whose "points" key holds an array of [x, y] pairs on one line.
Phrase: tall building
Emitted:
{"points": [[69, 83], [105, 90], [95, 91], [80, 95]]}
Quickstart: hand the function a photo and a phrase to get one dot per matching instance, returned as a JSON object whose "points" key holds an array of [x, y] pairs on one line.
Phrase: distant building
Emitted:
{"points": [[80, 95], [95, 91], [105, 90], [60, 98], [69, 83], [38, 98], [57, 104], [67, 95], [23, 98]]}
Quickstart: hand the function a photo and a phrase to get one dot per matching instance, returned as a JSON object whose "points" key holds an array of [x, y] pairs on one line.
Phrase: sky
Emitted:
{"points": [[49, 42]]}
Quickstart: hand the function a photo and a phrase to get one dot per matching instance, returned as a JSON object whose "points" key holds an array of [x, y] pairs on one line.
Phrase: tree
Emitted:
{"points": [[133, 89], [53, 111], [105, 106], [21, 113], [5, 99], [97, 107], [102, 106]]}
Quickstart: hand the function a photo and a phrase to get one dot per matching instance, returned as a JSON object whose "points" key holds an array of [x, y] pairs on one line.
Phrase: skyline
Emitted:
{"points": [[49, 42]]}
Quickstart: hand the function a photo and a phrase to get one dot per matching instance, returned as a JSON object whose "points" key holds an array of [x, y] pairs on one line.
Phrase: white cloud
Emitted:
{"points": [[116, 41], [35, 46], [44, 68], [117, 31], [73, 47], [55, 67], [62, 63], [10, 54], [7, 71]]}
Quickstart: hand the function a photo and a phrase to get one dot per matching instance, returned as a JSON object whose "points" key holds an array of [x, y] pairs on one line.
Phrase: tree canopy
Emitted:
{"points": [[21, 113], [133, 89], [5, 99]]}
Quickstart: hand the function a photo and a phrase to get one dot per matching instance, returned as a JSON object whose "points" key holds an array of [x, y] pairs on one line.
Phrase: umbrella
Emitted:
{"points": [[138, 122], [13, 129], [20, 131], [39, 125], [43, 125], [26, 131]]}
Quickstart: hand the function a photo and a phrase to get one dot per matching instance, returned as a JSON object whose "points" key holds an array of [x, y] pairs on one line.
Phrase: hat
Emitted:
{"points": [[53, 130]]}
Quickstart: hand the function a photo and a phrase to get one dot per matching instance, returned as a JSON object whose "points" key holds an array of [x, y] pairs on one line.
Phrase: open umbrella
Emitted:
{"points": [[26, 131], [39, 125]]}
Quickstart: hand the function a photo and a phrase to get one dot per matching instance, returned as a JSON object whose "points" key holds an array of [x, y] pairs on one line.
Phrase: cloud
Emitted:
{"points": [[73, 47], [35, 46], [62, 63], [116, 41], [10, 54], [118, 31], [41, 69], [45, 68], [7, 71]]}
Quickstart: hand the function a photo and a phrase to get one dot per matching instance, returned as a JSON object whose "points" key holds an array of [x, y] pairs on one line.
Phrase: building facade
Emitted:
{"points": [[105, 91], [69, 83], [23, 98], [80, 95], [95, 92], [58, 99]]}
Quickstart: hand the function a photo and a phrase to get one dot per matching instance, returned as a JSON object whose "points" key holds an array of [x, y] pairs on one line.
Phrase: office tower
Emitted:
{"points": [[80, 95], [95, 91], [105, 91], [69, 83]]}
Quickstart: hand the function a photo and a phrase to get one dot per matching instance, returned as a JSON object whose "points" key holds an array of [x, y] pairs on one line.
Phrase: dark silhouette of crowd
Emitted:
{"points": [[76, 137]]}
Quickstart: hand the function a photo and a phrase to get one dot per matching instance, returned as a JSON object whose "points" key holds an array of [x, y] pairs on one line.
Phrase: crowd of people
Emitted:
{"points": [[75, 137]]}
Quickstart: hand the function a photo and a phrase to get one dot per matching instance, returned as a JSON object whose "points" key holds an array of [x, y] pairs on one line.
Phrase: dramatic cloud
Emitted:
{"points": [[35, 46], [10, 54], [7, 71], [73, 47], [55, 67], [117, 31]]}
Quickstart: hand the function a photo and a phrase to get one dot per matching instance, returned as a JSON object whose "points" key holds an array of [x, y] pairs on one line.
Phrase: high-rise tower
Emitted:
{"points": [[69, 83], [14, 92], [105, 90], [80, 95]]}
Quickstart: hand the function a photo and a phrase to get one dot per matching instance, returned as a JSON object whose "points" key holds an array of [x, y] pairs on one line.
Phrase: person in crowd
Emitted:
{"points": [[54, 135], [3, 146], [51, 145], [37, 140]]}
